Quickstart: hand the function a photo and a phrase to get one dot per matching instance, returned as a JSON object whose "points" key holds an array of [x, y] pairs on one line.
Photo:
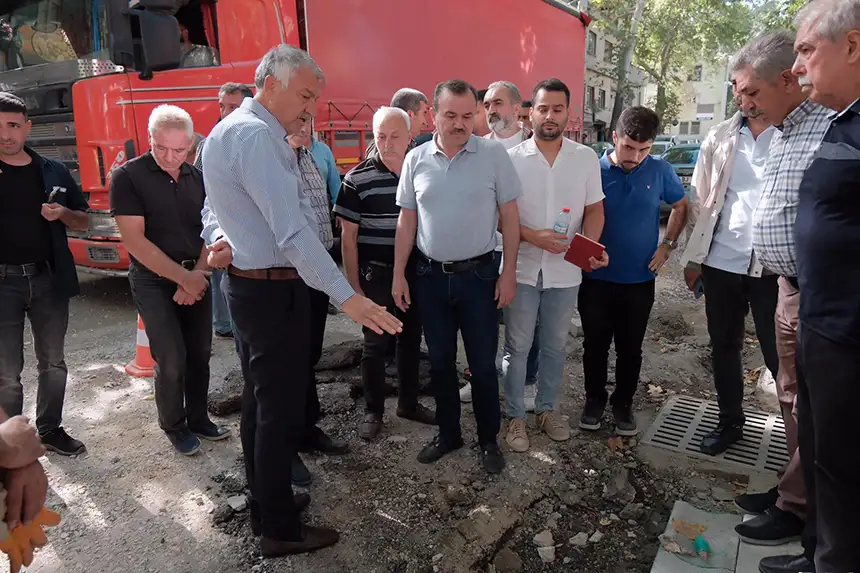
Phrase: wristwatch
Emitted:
{"points": [[669, 244]]}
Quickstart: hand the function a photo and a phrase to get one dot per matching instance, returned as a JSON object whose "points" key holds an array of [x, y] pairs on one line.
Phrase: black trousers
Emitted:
{"points": [[180, 339], [613, 311], [273, 319], [376, 283], [319, 315], [828, 392], [728, 298]]}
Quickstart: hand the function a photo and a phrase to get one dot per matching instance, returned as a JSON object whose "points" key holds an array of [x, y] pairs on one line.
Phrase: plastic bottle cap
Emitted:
{"points": [[566, 210]]}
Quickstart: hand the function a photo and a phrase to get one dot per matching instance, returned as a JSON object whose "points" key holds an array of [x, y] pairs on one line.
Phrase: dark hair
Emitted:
{"points": [[551, 85], [408, 99], [456, 87], [638, 123], [481, 95], [233, 88], [527, 103], [10, 103]]}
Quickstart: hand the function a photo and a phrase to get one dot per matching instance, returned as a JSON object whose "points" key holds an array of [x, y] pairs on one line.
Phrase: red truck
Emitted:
{"points": [[91, 71]]}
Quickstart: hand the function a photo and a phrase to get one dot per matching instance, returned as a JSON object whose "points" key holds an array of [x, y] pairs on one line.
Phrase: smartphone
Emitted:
{"points": [[51, 196], [698, 288]]}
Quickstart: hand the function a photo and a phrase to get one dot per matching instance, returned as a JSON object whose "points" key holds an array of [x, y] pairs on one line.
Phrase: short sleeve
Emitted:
{"points": [[673, 189], [508, 184], [124, 198], [406, 188], [75, 199], [348, 205]]}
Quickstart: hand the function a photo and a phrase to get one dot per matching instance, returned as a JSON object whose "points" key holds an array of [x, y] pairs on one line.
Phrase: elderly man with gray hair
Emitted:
{"points": [[368, 212], [827, 231], [255, 194], [414, 103]]}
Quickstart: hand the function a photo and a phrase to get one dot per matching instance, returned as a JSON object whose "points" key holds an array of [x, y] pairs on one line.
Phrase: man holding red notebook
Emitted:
{"points": [[615, 302], [558, 177]]}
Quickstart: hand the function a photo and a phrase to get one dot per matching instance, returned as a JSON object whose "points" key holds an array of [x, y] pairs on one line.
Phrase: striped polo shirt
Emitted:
{"points": [[367, 198]]}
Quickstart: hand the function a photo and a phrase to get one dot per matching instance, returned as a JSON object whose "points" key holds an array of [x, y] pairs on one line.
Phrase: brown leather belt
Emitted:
{"points": [[276, 274]]}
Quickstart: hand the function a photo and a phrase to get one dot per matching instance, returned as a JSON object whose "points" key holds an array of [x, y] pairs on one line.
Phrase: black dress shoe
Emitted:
{"points": [[786, 564], [420, 413], [301, 501], [757, 503], [313, 538], [300, 474], [436, 449], [319, 441], [59, 441], [774, 527], [492, 458], [719, 440]]}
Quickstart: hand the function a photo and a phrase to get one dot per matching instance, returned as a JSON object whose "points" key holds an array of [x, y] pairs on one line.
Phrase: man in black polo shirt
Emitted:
{"points": [[827, 237], [368, 213], [38, 201], [156, 199]]}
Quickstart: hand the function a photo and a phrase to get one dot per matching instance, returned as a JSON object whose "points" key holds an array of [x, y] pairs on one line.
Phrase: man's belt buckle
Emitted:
{"points": [[448, 268]]}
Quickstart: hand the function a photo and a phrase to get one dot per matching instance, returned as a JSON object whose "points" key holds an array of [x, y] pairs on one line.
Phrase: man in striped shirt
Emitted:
{"points": [[255, 194], [368, 212]]}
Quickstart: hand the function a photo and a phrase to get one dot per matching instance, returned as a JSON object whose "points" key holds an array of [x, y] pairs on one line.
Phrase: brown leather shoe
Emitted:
{"points": [[313, 538], [301, 500], [421, 414]]}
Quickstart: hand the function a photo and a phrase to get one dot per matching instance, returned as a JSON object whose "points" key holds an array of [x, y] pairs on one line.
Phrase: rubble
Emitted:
{"points": [[544, 539], [547, 554]]}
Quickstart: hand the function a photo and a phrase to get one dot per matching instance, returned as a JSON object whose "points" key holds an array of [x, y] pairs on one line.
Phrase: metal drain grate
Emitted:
{"points": [[684, 421]]}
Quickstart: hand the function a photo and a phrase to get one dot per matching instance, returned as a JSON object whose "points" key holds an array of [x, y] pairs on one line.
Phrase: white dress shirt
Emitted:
{"points": [[573, 181]]}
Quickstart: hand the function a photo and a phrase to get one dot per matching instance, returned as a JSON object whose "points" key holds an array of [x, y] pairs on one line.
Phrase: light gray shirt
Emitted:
{"points": [[254, 193], [458, 199]]}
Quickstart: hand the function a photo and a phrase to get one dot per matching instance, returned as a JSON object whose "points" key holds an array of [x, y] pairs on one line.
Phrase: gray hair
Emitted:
{"points": [[769, 55], [833, 18], [170, 116], [234, 88], [513, 90], [384, 113], [282, 62], [408, 99]]}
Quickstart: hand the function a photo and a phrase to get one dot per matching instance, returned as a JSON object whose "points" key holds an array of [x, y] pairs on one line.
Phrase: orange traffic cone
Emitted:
{"points": [[143, 365]]}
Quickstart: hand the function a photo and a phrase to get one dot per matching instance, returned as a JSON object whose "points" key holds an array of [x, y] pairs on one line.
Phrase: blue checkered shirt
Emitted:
{"points": [[791, 151], [254, 191]]}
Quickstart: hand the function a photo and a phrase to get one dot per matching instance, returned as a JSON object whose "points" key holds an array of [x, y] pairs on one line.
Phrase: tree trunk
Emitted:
{"points": [[660, 106], [624, 64]]}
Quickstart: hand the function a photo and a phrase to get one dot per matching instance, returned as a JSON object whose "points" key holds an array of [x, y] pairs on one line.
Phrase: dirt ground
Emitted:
{"points": [[132, 505]]}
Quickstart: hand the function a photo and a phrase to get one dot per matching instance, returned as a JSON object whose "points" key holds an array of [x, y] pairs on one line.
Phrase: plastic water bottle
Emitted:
{"points": [[562, 222]]}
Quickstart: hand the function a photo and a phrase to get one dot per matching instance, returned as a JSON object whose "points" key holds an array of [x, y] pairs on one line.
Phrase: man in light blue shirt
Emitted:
{"points": [[324, 159], [255, 195]]}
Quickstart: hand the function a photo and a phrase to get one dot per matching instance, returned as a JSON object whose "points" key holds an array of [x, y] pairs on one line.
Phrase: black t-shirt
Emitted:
{"points": [[25, 235], [368, 198], [171, 209], [827, 234]]}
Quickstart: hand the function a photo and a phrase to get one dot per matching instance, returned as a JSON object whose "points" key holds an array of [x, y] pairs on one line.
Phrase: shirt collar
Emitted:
{"points": [[854, 108], [798, 114], [606, 163], [153, 165], [260, 111], [568, 147], [471, 144]]}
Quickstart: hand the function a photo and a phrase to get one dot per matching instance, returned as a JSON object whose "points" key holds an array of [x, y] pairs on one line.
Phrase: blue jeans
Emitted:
{"points": [[465, 302], [220, 312], [552, 310], [534, 353]]}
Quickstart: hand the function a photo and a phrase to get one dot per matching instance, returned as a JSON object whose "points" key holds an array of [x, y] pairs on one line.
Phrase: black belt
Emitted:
{"points": [[793, 282], [380, 264], [27, 270], [464, 266]]}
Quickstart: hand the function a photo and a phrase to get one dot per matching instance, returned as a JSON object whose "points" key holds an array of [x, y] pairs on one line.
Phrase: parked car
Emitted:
{"points": [[683, 159], [658, 148], [601, 147]]}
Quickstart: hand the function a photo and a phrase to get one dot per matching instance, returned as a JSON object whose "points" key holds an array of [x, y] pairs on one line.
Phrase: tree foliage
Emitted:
{"points": [[674, 34], [773, 14]]}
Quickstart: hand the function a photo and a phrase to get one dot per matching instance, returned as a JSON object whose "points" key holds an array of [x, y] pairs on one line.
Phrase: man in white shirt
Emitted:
{"points": [[556, 173]]}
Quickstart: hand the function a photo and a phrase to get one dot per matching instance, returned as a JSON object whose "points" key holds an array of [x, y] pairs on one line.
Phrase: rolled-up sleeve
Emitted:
{"points": [[272, 185], [211, 229]]}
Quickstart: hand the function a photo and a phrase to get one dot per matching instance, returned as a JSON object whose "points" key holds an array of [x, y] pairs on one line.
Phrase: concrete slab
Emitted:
{"points": [[719, 533]]}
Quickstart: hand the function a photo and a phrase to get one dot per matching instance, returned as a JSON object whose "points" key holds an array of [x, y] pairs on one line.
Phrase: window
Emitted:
{"points": [[684, 128], [590, 96], [591, 43], [695, 74], [705, 108], [601, 99], [694, 127], [608, 51]]}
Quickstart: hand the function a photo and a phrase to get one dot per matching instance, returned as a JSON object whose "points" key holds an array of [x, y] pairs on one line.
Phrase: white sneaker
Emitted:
{"points": [[529, 397], [466, 393]]}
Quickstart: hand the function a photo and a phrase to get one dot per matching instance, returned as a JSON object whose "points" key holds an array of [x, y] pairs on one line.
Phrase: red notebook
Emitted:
{"points": [[581, 249]]}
